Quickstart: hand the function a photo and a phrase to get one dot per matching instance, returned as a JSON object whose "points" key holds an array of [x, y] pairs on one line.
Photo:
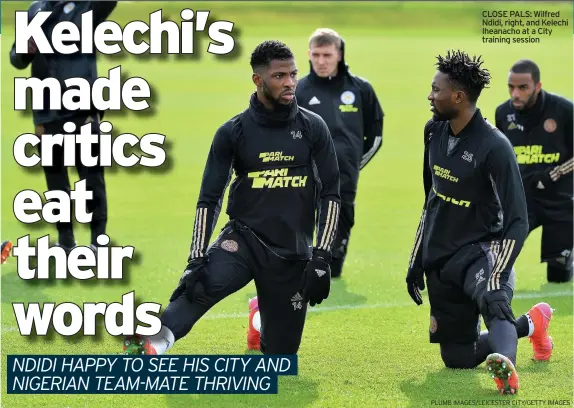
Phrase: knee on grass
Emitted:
{"points": [[458, 356], [336, 267], [559, 272], [286, 348]]}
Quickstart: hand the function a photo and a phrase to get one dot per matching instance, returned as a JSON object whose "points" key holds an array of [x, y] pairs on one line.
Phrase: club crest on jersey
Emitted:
{"points": [[230, 245], [69, 7], [550, 125], [348, 97], [433, 325]]}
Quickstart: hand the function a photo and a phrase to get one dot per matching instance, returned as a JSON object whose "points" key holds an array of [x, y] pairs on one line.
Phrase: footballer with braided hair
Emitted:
{"points": [[473, 226]]}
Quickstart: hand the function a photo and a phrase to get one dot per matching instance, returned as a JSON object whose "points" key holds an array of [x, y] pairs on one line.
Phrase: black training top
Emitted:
{"points": [[543, 139], [285, 167], [351, 109], [474, 197]]}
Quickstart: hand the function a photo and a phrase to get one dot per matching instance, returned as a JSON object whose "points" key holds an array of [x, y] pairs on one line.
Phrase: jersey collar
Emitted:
{"points": [[268, 118], [475, 122]]}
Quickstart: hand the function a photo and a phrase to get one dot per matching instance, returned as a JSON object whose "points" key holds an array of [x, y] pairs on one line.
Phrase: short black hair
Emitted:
{"points": [[268, 51], [526, 66], [464, 72]]}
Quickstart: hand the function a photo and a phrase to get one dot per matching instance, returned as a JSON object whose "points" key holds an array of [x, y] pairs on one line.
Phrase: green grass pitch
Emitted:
{"points": [[367, 345]]}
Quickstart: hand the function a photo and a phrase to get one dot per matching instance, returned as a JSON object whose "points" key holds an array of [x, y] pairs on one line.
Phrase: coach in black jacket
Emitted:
{"points": [[47, 121], [350, 107]]}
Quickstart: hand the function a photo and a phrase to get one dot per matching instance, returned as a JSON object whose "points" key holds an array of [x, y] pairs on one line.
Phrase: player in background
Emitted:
{"points": [[286, 170], [539, 125], [47, 121], [5, 253], [473, 226], [350, 107]]}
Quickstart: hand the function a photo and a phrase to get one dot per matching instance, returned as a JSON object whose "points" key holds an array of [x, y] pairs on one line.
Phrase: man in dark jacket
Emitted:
{"points": [[539, 125], [48, 121], [472, 229], [351, 109], [286, 178]]}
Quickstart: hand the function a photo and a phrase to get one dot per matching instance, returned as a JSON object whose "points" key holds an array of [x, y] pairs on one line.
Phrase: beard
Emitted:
{"points": [[443, 116], [529, 102], [275, 102]]}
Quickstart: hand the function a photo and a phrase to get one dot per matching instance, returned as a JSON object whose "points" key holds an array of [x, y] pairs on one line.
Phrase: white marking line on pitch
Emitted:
{"points": [[519, 296]]}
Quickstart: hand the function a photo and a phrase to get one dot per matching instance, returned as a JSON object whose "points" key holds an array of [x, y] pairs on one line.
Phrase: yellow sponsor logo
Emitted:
{"points": [[276, 178], [348, 108], [275, 157], [462, 203], [444, 173], [534, 154]]}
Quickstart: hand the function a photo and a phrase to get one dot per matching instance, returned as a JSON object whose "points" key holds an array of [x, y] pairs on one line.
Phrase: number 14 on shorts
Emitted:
{"points": [[297, 301]]}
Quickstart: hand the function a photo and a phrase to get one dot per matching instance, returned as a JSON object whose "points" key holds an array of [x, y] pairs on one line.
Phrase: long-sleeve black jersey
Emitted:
{"points": [[474, 194], [283, 163], [60, 66], [351, 109], [542, 137]]}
